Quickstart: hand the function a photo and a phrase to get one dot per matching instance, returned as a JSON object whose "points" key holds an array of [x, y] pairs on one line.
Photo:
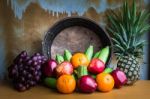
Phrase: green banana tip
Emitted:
{"points": [[66, 50], [91, 46], [107, 47]]}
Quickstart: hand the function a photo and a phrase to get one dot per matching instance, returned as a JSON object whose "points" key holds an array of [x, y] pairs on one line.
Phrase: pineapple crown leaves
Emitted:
{"points": [[126, 27]]}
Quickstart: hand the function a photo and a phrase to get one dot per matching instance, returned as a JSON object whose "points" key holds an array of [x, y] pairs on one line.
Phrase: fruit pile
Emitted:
{"points": [[25, 71], [83, 72]]}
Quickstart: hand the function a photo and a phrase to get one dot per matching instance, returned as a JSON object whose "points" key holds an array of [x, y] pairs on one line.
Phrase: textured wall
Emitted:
{"points": [[23, 23]]}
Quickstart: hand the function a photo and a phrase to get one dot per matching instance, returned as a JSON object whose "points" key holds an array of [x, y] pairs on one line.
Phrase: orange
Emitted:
{"points": [[66, 84], [79, 59], [105, 82]]}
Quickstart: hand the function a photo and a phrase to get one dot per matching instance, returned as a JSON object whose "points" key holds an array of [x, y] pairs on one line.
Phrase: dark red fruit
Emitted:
{"points": [[49, 68], [119, 78], [64, 68], [87, 84], [96, 66]]}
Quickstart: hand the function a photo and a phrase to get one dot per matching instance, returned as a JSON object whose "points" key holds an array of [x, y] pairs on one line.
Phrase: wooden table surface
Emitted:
{"points": [[140, 90]]}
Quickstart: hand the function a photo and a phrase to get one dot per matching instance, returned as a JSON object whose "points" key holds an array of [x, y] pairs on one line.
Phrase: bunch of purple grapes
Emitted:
{"points": [[25, 71]]}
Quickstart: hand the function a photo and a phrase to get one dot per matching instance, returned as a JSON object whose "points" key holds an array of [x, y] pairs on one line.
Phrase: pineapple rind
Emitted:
{"points": [[130, 66]]}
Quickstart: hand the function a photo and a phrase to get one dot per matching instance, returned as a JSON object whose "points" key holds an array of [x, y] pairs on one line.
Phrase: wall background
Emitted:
{"points": [[23, 24]]}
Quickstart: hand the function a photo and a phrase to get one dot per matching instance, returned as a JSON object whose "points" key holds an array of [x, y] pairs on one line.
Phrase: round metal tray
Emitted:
{"points": [[75, 21]]}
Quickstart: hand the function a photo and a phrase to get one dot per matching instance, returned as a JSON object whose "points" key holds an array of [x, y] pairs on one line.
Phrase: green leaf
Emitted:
{"points": [[128, 12], [133, 11], [112, 20], [127, 26], [130, 30], [124, 33], [115, 15], [120, 47], [144, 17], [121, 40], [124, 9], [143, 30], [141, 22], [139, 16], [133, 41], [116, 41], [118, 54], [139, 44], [118, 38]]}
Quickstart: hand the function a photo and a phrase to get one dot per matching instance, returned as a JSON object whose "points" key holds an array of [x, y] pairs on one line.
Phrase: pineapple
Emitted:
{"points": [[127, 27]]}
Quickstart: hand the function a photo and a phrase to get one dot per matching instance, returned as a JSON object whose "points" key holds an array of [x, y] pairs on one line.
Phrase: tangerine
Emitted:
{"points": [[105, 82], [66, 84], [79, 59]]}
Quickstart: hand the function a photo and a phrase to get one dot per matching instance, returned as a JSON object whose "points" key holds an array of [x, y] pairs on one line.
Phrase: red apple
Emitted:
{"points": [[119, 78], [49, 68], [64, 68], [96, 66]]}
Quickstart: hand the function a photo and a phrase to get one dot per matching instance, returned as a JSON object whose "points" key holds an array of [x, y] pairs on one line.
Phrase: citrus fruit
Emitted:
{"points": [[79, 59], [105, 82], [66, 84]]}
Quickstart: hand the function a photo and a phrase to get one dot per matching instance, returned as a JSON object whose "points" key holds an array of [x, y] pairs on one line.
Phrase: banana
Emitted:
{"points": [[67, 55], [59, 58], [104, 54], [81, 71], [96, 54], [89, 52]]}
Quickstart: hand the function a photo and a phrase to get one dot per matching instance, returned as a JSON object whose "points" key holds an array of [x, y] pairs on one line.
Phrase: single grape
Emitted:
{"points": [[35, 63], [32, 83], [39, 57], [22, 79], [20, 70], [20, 66], [35, 73], [39, 62], [26, 67], [40, 74], [38, 67], [24, 72], [23, 54], [29, 62], [29, 76], [20, 87], [37, 54], [34, 58], [13, 73], [18, 61], [32, 69]]}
